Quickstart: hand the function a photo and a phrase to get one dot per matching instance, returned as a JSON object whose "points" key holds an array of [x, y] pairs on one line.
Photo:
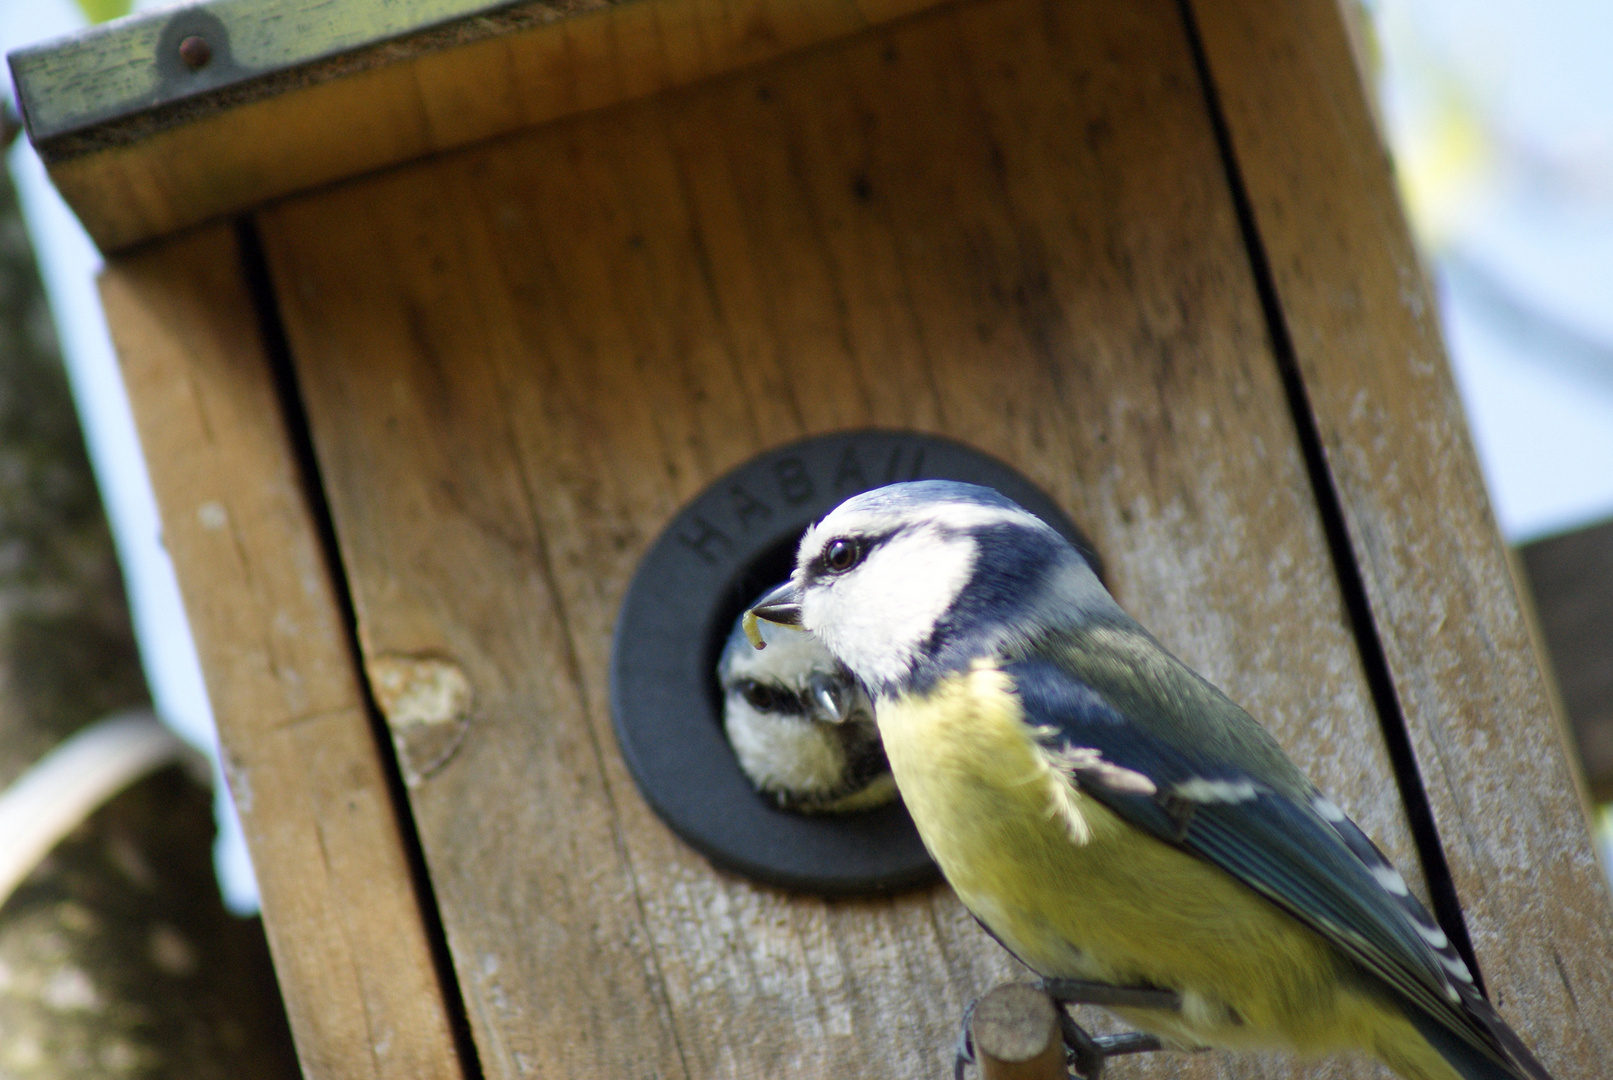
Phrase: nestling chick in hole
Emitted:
{"points": [[801, 727]]}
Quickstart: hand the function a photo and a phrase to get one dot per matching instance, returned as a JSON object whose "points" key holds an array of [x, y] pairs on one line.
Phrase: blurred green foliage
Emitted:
{"points": [[99, 11]]}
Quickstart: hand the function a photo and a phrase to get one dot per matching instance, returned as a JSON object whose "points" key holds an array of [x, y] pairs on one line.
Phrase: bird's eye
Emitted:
{"points": [[760, 697], [841, 555]]}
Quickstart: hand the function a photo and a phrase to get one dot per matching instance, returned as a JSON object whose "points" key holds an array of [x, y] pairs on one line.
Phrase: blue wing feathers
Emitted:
{"points": [[1319, 870]]}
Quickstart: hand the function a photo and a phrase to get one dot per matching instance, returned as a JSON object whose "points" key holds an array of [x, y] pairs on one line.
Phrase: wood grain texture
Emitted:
{"points": [[1366, 341], [1016, 1036], [413, 96], [1002, 221], [1570, 578], [339, 906]]}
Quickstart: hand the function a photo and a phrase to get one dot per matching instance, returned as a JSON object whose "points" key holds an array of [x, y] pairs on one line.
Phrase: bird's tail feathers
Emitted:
{"points": [[1513, 1047], [1516, 1062]]}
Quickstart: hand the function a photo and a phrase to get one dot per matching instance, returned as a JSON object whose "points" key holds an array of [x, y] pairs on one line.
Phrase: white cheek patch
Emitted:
{"points": [[876, 617], [782, 752]]}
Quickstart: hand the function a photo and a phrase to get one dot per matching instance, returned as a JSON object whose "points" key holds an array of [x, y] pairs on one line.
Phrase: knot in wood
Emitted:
{"points": [[426, 701]]}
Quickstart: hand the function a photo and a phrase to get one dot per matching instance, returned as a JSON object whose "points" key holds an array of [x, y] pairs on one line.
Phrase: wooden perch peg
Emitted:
{"points": [[1015, 1029]]}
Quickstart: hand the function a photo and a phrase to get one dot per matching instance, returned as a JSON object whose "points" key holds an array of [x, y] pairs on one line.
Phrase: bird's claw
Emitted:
{"points": [[1083, 1051], [1086, 1052], [1089, 1053], [964, 1053], [1082, 992]]}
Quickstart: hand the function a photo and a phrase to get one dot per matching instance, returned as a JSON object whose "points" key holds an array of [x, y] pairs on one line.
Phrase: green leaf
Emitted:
{"points": [[99, 11]]}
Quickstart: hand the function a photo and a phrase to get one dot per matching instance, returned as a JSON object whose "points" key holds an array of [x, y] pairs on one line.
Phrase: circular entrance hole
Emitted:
{"points": [[735, 539]]}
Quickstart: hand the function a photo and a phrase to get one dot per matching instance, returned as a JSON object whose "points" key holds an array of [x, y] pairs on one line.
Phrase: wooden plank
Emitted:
{"points": [[1002, 221], [1366, 341], [1016, 1036], [108, 77], [292, 115], [1571, 581], [339, 906]]}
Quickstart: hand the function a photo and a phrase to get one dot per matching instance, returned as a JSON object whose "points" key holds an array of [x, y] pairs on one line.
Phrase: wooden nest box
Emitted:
{"points": [[433, 314]]}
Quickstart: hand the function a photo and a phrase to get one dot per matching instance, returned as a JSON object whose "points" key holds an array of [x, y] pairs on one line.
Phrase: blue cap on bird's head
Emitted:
{"points": [[913, 494], [877, 515]]}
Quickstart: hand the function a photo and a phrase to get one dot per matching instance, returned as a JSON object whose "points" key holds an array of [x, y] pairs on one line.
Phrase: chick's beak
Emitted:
{"points": [[832, 697], [782, 606]]}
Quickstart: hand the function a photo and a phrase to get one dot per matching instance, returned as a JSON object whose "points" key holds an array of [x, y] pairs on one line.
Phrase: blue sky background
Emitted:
{"points": [[1500, 117], [1499, 114]]}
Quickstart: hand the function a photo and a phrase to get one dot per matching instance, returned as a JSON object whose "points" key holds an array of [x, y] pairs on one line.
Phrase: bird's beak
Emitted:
{"points": [[832, 696], [782, 606]]}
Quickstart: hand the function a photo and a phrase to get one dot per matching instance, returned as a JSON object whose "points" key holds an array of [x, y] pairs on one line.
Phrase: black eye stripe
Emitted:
{"points": [[860, 547], [771, 699]]}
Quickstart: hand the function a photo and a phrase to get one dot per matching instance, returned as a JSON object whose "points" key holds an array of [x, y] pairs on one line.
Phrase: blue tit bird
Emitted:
{"points": [[1111, 817], [801, 726]]}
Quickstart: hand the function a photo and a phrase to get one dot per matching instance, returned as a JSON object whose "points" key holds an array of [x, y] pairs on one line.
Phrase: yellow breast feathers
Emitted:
{"points": [[1073, 890]]}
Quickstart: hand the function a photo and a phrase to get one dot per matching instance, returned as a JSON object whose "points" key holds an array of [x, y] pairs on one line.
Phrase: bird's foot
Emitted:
{"points": [[1082, 992], [964, 1053], [1087, 1052]]}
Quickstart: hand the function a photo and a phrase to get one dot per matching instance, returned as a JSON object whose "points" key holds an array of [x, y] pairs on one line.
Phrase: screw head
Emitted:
{"points": [[195, 52]]}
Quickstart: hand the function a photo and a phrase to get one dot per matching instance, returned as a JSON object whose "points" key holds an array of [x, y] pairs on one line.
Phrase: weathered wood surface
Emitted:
{"points": [[1003, 221], [447, 86], [1571, 579], [343, 922], [1366, 341]]}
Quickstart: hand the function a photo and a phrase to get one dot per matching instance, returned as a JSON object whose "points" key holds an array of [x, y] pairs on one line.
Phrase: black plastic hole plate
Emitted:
{"points": [[735, 539]]}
